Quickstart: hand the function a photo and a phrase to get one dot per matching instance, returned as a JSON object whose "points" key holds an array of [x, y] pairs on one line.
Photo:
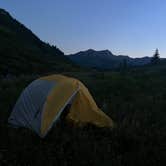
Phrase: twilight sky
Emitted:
{"points": [[130, 27]]}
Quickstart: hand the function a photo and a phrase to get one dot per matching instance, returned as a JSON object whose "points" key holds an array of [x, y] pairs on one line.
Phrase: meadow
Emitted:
{"points": [[135, 100]]}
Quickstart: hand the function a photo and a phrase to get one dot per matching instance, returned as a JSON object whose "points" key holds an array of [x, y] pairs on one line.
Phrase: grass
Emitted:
{"points": [[136, 101]]}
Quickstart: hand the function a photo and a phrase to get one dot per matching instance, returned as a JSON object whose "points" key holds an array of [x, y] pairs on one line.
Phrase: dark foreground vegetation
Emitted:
{"points": [[135, 100]]}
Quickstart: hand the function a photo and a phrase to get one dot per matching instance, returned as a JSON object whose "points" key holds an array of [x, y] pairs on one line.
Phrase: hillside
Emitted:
{"points": [[105, 59], [22, 52]]}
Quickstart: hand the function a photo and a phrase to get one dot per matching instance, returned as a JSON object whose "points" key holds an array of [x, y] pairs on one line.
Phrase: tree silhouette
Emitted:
{"points": [[156, 58]]}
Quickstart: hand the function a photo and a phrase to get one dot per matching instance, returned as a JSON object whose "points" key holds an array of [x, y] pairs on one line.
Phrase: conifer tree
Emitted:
{"points": [[156, 58]]}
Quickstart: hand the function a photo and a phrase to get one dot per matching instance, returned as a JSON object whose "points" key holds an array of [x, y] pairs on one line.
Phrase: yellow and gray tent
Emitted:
{"points": [[42, 102]]}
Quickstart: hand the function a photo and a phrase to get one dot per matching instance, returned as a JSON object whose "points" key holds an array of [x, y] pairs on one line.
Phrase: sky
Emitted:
{"points": [[128, 27]]}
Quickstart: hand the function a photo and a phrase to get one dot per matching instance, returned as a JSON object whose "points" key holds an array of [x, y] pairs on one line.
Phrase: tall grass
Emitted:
{"points": [[136, 101]]}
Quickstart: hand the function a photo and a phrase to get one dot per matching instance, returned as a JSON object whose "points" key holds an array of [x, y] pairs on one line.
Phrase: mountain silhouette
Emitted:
{"points": [[105, 59], [22, 52]]}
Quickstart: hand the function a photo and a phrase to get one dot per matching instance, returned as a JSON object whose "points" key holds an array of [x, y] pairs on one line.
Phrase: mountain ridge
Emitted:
{"points": [[22, 52], [105, 59]]}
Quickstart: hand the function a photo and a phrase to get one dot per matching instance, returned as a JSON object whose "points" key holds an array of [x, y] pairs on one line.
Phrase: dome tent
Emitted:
{"points": [[42, 102]]}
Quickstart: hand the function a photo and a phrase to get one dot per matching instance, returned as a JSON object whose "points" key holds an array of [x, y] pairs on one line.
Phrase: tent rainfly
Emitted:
{"points": [[42, 102]]}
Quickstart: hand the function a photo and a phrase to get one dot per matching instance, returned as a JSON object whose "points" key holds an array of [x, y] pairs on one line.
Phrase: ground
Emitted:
{"points": [[135, 100]]}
